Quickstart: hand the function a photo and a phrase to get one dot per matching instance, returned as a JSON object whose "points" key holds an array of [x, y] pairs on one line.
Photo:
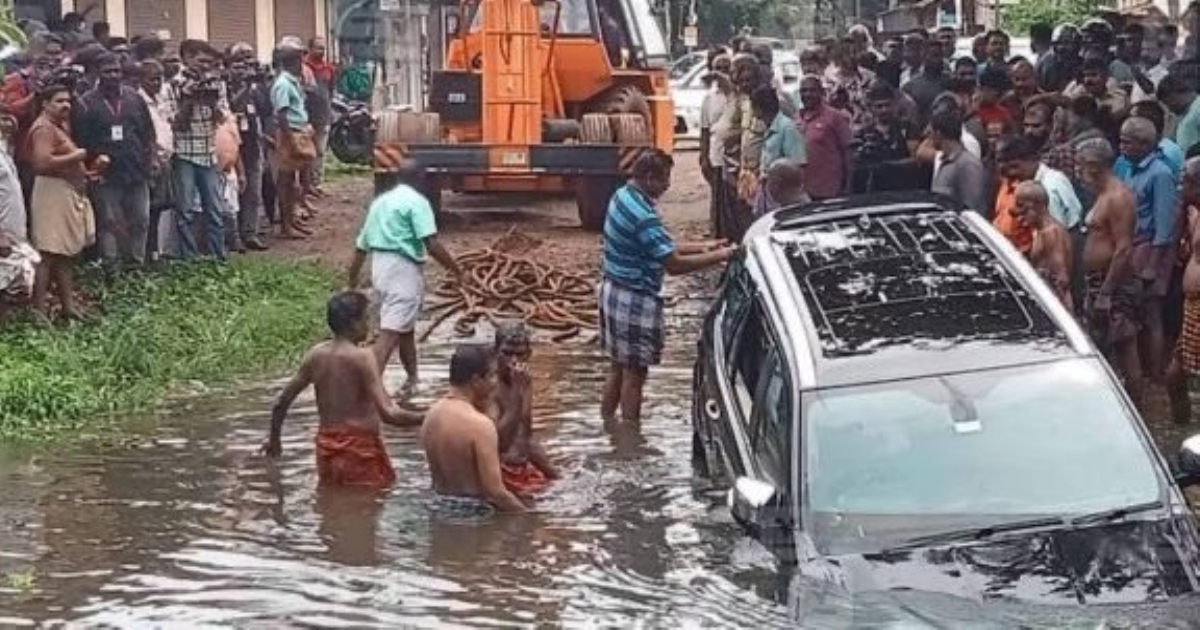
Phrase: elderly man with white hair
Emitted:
{"points": [[1154, 239]]}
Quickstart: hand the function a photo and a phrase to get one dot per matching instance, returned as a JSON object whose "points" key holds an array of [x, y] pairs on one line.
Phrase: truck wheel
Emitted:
{"points": [[595, 129], [592, 195]]}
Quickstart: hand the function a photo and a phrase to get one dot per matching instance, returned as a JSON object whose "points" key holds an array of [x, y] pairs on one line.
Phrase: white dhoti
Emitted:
{"points": [[400, 286], [17, 270]]}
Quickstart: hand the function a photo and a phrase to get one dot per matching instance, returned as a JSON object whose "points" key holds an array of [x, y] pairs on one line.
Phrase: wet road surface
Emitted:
{"points": [[188, 527]]}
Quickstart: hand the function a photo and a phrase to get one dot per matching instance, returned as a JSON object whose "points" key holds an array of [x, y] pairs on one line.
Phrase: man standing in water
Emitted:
{"points": [[525, 466], [350, 401], [460, 442], [1114, 292], [637, 249], [1051, 252], [400, 234]]}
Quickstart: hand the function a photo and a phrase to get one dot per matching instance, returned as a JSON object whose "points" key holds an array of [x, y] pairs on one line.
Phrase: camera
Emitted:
{"points": [[205, 86], [70, 77]]}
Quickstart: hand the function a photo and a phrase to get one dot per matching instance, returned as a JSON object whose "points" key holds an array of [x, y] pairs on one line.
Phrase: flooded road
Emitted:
{"points": [[188, 527]]}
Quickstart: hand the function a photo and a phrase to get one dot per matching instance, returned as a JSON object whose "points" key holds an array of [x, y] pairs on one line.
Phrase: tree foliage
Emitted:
{"points": [[1016, 18]]}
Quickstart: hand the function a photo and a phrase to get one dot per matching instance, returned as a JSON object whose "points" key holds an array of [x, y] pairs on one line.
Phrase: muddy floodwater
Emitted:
{"points": [[186, 526]]}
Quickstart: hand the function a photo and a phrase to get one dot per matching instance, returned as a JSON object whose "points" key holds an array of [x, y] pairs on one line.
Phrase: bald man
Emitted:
{"points": [[1051, 252], [784, 187]]}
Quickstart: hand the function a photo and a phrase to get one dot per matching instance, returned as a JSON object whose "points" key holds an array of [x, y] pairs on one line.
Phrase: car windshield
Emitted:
{"points": [[888, 462]]}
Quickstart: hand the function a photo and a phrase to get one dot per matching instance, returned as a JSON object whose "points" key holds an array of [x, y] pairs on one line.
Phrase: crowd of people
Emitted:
{"points": [[128, 152], [1083, 156]]}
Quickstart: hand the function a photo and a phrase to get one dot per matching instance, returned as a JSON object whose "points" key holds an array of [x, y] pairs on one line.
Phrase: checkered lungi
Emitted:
{"points": [[1189, 340], [631, 325]]}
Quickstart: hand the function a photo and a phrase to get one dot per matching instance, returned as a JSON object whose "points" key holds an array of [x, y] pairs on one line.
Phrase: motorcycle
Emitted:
{"points": [[352, 133]]}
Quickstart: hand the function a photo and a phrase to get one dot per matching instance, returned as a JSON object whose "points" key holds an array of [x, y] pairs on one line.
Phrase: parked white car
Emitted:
{"points": [[687, 87]]}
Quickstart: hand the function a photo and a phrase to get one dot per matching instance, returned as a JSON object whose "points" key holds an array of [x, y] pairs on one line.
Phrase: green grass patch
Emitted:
{"points": [[190, 322], [335, 168]]}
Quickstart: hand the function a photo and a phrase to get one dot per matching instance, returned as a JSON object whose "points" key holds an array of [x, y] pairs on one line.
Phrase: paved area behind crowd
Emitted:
{"points": [[473, 221]]}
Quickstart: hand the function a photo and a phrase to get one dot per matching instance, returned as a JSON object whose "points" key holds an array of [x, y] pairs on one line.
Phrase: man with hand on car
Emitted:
{"points": [[637, 249]]}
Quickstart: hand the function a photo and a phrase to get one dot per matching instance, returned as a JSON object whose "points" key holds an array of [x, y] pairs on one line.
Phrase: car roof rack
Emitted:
{"points": [[904, 272]]}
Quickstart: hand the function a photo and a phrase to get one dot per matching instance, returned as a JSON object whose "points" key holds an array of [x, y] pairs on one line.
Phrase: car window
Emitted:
{"points": [[971, 450], [771, 426], [684, 65], [751, 346], [737, 300]]}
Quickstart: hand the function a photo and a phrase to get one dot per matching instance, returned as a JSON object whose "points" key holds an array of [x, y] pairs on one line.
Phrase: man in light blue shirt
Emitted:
{"points": [[1171, 153], [1019, 162], [782, 139], [294, 150], [1180, 97], [1154, 238]]}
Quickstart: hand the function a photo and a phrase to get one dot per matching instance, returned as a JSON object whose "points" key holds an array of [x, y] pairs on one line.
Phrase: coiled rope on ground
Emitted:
{"points": [[500, 285]]}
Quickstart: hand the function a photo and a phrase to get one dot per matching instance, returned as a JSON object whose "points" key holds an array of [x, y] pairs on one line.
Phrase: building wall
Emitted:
{"points": [[261, 22]]}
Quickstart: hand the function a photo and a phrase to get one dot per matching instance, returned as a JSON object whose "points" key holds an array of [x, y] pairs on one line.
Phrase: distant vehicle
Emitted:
{"points": [[688, 90], [902, 405], [1017, 47]]}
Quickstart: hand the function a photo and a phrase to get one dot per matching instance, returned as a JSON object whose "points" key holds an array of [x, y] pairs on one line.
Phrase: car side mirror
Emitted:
{"points": [[757, 507], [1189, 462]]}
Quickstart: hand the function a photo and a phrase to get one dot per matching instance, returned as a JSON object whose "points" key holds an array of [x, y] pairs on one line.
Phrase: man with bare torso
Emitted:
{"points": [[350, 401], [525, 466], [1114, 291], [1051, 252], [461, 444], [1186, 366]]}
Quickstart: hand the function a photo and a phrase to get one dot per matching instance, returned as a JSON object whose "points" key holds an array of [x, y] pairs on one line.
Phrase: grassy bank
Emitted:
{"points": [[200, 322]]}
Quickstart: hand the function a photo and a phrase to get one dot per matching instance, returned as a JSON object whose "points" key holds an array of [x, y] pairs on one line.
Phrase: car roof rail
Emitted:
{"points": [[904, 202]]}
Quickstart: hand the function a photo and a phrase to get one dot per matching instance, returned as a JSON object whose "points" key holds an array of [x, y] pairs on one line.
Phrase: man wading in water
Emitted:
{"points": [[525, 466], [637, 249], [350, 401], [461, 443], [400, 234]]}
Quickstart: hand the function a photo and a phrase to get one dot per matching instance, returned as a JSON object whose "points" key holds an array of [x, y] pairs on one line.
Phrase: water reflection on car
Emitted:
{"points": [[899, 404]]}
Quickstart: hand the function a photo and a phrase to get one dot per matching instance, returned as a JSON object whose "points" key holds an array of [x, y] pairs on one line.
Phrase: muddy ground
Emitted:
{"points": [[474, 221]]}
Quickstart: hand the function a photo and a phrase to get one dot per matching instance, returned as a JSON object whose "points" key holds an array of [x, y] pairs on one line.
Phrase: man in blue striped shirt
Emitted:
{"points": [[637, 250]]}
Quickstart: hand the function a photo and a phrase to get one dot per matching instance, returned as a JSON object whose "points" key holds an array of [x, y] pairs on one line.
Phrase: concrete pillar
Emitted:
{"points": [[114, 12], [264, 29], [195, 18], [321, 11]]}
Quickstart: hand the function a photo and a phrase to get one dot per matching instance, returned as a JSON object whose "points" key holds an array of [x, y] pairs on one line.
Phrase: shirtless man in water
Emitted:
{"points": [[1051, 252], [525, 466], [1186, 363], [350, 401], [1114, 290], [460, 440]]}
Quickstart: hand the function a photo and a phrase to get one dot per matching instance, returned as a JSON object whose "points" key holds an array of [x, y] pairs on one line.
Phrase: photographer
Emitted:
{"points": [[196, 103], [114, 121], [251, 104]]}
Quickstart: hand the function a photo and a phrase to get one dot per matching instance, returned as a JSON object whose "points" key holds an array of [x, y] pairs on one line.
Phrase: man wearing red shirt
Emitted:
{"points": [[827, 135], [320, 110], [993, 85]]}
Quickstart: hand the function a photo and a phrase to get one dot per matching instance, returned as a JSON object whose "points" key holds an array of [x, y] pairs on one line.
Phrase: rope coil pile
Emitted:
{"points": [[498, 285]]}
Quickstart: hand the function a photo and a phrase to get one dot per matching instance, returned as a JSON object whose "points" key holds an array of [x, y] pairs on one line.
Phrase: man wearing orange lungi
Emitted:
{"points": [[525, 466], [350, 402]]}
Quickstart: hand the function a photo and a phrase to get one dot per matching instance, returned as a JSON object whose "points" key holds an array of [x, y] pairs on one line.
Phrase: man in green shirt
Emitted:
{"points": [[400, 234]]}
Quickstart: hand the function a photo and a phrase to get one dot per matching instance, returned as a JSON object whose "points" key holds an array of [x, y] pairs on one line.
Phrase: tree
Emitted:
{"points": [[1016, 18]]}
